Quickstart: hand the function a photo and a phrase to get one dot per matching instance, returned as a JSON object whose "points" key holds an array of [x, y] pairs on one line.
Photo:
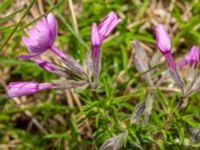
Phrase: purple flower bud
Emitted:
{"points": [[47, 66], [95, 38], [108, 23], [16, 89], [164, 44], [41, 36], [192, 58], [163, 39]]}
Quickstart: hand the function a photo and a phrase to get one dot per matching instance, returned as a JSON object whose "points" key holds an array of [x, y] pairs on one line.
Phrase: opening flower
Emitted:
{"points": [[41, 36]]}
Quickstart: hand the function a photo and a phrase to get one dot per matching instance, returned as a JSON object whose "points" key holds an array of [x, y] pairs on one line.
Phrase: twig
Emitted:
{"points": [[73, 16], [34, 10], [41, 7], [69, 99]]}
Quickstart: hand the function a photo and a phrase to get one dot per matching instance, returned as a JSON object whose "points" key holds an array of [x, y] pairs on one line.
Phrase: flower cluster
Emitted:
{"points": [[143, 63], [191, 59], [41, 38]]}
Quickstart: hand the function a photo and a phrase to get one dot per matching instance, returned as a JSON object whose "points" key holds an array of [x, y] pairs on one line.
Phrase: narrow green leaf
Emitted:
{"points": [[4, 19]]}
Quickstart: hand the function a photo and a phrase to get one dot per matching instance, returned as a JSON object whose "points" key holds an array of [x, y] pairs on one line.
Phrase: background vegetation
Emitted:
{"points": [[79, 119]]}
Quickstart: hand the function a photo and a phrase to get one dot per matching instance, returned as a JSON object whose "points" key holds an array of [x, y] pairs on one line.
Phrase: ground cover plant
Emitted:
{"points": [[99, 74]]}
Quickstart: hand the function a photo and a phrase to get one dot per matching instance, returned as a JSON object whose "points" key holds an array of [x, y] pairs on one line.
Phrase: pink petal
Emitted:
{"points": [[106, 20], [42, 26], [52, 25], [113, 25], [33, 32], [29, 41], [33, 46], [44, 38], [41, 39], [95, 35], [108, 24]]}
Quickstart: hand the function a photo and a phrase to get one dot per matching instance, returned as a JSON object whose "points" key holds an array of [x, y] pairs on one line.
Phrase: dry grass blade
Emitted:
{"points": [[16, 27], [73, 16]]}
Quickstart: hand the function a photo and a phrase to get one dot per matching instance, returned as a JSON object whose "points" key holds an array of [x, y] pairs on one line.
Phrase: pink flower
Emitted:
{"points": [[191, 58], [41, 36], [163, 39], [26, 88]]}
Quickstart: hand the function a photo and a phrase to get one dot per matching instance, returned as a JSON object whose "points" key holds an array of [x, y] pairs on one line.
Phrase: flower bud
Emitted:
{"points": [[191, 58], [16, 89], [95, 39], [163, 40]]}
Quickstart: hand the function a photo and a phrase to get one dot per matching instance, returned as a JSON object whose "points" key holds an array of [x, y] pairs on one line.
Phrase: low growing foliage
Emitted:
{"points": [[135, 87]]}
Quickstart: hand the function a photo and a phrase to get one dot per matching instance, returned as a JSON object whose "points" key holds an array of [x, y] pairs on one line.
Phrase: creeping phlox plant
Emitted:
{"points": [[41, 38]]}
